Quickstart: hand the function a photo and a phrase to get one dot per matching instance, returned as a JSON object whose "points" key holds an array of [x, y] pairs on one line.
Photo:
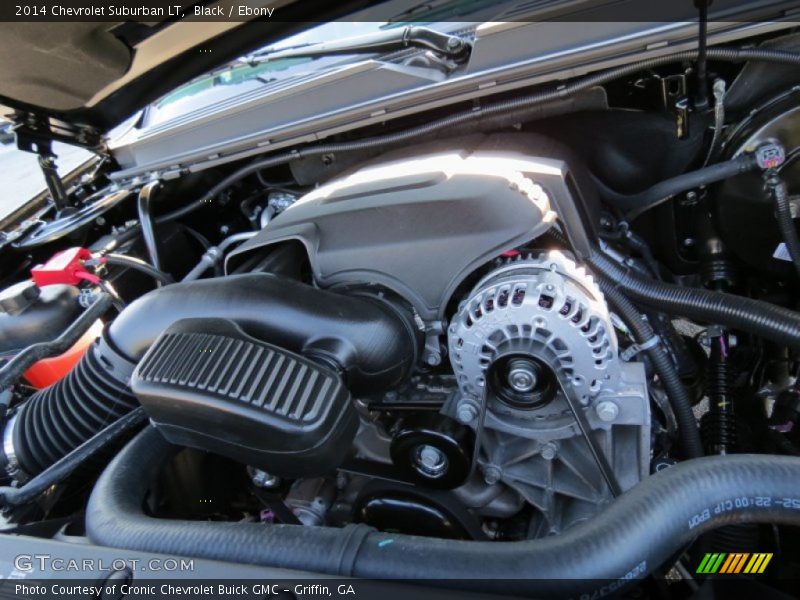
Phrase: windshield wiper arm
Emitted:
{"points": [[452, 46]]}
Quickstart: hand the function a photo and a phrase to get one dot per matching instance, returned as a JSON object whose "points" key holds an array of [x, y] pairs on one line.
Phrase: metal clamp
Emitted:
{"points": [[634, 349]]}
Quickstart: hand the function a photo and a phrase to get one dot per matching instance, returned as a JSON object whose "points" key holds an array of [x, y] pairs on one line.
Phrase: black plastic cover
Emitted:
{"points": [[419, 222], [208, 385]]}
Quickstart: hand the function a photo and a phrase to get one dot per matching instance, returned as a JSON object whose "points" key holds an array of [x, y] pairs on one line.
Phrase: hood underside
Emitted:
{"points": [[73, 81], [93, 75]]}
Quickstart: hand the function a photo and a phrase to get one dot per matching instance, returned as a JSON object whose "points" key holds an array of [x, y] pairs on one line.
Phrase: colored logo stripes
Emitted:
{"points": [[734, 562]]}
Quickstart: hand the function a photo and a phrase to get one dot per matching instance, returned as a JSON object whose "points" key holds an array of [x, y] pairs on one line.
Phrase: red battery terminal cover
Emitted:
{"points": [[67, 267]]}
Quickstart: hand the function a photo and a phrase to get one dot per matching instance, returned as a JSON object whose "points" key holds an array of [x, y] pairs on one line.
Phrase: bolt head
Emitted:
{"points": [[549, 451], [262, 479], [522, 375], [492, 474], [430, 460], [433, 359], [466, 413], [607, 411], [522, 380]]}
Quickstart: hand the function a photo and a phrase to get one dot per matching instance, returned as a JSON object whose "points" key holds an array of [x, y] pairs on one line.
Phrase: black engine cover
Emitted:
{"points": [[206, 384], [419, 225]]}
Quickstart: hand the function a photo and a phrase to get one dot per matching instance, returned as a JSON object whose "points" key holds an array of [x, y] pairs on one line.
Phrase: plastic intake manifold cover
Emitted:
{"points": [[419, 225], [206, 384]]}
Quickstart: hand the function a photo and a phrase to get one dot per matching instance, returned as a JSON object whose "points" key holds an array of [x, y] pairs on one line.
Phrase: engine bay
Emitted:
{"points": [[500, 331]]}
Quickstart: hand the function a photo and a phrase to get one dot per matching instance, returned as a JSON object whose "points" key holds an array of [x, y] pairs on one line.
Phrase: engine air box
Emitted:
{"points": [[207, 384]]}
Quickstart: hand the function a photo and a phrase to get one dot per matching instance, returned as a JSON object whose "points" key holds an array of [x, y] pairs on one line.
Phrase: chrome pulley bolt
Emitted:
{"points": [[522, 376], [430, 460]]}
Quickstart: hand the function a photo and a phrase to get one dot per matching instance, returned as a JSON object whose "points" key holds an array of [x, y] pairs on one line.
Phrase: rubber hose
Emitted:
{"points": [[679, 397], [16, 367], [487, 110], [636, 204], [58, 419], [57, 472], [148, 225], [633, 536], [758, 318], [783, 212], [121, 260]]}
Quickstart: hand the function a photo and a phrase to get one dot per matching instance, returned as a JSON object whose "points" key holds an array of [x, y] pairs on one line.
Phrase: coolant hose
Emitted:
{"points": [[635, 204], [645, 337], [762, 319], [16, 367], [633, 536]]}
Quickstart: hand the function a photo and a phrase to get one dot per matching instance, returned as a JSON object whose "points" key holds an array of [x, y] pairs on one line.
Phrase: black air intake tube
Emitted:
{"points": [[58, 419], [633, 536], [372, 342]]}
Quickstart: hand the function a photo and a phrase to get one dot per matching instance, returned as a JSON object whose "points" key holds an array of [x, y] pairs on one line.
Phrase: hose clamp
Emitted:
{"points": [[634, 349], [12, 466]]}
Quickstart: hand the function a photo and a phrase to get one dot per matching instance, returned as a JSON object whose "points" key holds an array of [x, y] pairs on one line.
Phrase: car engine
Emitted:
{"points": [[523, 331]]}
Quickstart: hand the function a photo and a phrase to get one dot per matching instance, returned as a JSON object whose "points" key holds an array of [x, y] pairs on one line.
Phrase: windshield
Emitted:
{"points": [[239, 77], [21, 178]]}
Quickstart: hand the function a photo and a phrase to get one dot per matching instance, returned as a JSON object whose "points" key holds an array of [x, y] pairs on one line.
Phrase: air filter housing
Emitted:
{"points": [[207, 384]]}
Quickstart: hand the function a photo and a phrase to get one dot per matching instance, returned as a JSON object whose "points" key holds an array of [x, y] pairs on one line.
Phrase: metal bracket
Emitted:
{"points": [[35, 133], [31, 139], [675, 99], [597, 452]]}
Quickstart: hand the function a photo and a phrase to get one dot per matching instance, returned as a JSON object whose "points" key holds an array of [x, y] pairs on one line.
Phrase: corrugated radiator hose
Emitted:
{"points": [[636, 534], [762, 319]]}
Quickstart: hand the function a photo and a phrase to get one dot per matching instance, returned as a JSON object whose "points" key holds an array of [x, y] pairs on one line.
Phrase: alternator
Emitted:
{"points": [[544, 307], [531, 329]]}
